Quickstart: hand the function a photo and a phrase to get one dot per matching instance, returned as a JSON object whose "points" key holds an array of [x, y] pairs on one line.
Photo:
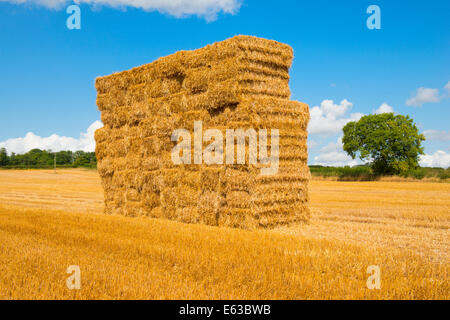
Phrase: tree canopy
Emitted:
{"points": [[3, 157], [391, 143], [37, 158]]}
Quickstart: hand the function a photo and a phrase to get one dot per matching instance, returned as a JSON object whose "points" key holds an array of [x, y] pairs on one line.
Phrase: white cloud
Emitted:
{"points": [[311, 144], [207, 9], [384, 108], [424, 95], [329, 118], [438, 159], [54, 142], [333, 155], [437, 135], [447, 87]]}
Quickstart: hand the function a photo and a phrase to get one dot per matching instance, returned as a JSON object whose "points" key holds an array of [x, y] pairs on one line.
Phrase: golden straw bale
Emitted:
{"points": [[239, 83], [208, 206]]}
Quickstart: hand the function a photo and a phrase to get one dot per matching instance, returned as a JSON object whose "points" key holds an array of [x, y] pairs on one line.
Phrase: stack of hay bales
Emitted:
{"points": [[242, 82]]}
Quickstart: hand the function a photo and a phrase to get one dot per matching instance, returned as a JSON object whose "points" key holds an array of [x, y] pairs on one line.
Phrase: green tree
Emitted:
{"points": [[84, 159], [64, 157], [391, 143], [4, 160], [37, 157], [13, 159], [81, 161]]}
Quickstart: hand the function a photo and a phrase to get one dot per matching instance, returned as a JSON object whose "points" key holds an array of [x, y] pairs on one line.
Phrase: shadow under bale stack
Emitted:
{"points": [[239, 83]]}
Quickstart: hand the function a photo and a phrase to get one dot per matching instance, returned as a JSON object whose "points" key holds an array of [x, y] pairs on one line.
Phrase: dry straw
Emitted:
{"points": [[242, 82]]}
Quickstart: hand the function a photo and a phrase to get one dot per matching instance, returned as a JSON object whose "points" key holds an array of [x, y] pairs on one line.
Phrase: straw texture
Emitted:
{"points": [[242, 82]]}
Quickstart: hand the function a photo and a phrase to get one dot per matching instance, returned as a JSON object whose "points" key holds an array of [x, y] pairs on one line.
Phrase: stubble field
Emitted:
{"points": [[50, 221]]}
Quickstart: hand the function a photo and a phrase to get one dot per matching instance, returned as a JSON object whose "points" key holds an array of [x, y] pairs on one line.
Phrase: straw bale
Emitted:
{"points": [[208, 206], [239, 83]]}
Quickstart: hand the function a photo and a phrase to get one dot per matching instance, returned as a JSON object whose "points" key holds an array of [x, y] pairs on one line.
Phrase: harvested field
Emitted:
{"points": [[51, 221]]}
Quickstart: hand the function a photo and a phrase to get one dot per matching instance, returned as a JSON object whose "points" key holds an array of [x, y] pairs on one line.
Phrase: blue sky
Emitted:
{"points": [[48, 71]]}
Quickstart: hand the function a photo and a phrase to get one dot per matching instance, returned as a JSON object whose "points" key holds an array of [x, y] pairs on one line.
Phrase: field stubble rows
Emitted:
{"points": [[49, 221]]}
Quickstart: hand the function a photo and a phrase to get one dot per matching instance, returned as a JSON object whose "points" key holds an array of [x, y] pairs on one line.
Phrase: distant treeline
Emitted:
{"points": [[364, 172], [42, 159]]}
